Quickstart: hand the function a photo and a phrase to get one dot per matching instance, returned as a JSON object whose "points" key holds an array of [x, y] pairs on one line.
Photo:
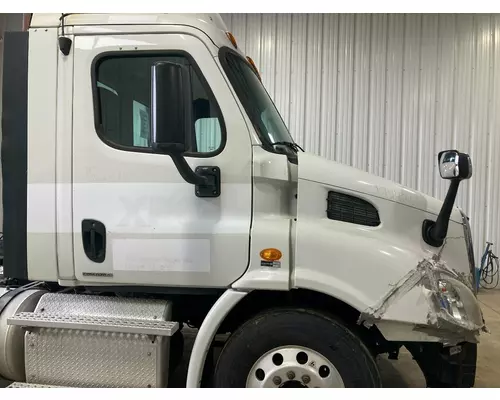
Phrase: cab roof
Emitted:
{"points": [[211, 24], [200, 21]]}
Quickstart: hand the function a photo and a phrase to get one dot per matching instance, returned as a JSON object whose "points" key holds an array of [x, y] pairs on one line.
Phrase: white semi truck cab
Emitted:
{"points": [[149, 183]]}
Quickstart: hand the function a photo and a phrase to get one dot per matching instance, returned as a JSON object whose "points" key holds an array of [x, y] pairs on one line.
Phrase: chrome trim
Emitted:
{"points": [[470, 249]]}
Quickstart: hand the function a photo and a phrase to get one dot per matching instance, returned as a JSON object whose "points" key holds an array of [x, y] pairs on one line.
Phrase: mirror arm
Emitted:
{"points": [[434, 233], [186, 172]]}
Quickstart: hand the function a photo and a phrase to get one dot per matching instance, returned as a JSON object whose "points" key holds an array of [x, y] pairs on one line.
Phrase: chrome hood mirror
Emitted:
{"points": [[454, 165]]}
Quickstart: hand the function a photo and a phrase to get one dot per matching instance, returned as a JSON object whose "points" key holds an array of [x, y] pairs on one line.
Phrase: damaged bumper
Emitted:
{"points": [[431, 300]]}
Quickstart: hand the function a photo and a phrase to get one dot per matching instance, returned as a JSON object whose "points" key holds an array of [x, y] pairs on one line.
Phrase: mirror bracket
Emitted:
{"points": [[427, 235], [185, 170], [211, 185], [206, 179]]}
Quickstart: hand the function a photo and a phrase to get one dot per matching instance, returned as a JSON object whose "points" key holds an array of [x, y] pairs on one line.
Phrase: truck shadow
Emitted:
{"points": [[401, 373]]}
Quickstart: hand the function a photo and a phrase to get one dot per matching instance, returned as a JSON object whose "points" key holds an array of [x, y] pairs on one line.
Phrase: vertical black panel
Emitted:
{"points": [[14, 153]]}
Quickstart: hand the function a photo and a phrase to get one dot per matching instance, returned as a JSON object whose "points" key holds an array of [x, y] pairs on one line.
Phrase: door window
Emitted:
{"points": [[123, 99]]}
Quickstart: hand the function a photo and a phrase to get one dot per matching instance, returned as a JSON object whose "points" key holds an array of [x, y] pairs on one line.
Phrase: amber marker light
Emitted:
{"points": [[232, 39], [270, 254], [252, 63]]}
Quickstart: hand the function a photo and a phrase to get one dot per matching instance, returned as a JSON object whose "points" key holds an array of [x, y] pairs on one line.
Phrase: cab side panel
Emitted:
{"points": [[41, 145]]}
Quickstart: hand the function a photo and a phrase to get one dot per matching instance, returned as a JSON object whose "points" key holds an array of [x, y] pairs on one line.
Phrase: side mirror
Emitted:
{"points": [[171, 108], [454, 165], [172, 125]]}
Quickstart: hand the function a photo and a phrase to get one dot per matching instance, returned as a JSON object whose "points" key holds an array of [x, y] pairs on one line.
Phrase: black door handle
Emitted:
{"points": [[94, 240]]}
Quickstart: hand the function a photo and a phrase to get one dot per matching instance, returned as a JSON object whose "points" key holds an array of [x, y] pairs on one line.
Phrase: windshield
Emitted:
{"points": [[255, 99]]}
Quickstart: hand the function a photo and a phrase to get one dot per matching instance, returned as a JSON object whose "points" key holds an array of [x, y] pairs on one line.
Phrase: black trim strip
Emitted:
{"points": [[9, 296], [15, 153]]}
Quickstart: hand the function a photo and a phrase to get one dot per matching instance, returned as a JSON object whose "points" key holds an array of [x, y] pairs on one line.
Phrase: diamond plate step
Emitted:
{"points": [[23, 385], [91, 323]]}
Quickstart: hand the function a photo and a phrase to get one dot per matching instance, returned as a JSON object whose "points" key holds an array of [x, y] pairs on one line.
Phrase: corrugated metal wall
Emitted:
{"points": [[385, 93]]}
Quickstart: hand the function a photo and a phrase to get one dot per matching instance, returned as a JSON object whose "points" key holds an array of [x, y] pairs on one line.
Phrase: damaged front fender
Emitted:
{"points": [[432, 302]]}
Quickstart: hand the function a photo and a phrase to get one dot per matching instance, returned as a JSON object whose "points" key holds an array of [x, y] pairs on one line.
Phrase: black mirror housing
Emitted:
{"points": [[172, 124], [171, 108]]}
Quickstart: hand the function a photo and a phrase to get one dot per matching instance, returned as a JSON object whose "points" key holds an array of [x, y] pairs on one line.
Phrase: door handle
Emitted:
{"points": [[94, 240]]}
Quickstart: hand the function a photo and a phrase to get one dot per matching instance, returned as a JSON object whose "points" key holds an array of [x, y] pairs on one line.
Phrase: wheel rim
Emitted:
{"points": [[293, 367]]}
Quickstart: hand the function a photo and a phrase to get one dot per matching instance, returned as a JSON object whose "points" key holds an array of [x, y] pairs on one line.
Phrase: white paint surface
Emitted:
{"points": [[161, 255], [42, 149], [138, 208]]}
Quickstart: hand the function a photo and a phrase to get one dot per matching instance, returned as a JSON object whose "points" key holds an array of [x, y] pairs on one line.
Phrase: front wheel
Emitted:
{"points": [[288, 348]]}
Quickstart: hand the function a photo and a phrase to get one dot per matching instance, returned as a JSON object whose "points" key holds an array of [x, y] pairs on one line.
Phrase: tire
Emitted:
{"points": [[301, 328]]}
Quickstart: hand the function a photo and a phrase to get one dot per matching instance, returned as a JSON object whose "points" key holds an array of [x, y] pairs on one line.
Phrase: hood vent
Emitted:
{"points": [[346, 208]]}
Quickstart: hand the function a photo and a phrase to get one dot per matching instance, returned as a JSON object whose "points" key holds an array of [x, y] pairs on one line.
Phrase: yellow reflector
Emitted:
{"points": [[252, 63], [270, 254], [232, 39]]}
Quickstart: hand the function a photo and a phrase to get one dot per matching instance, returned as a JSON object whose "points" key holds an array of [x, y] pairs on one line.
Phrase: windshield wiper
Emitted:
{"points": [[294, 146]]}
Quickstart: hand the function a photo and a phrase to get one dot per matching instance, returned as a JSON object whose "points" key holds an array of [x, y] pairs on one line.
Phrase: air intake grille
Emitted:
{"points": [[345, 208]]}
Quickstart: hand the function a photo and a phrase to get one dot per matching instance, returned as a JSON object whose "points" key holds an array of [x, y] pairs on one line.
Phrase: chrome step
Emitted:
{"points": [[94, 323]]}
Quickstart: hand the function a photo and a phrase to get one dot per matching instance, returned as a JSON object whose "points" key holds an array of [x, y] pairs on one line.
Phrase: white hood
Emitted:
{"points": [[318, 169]]}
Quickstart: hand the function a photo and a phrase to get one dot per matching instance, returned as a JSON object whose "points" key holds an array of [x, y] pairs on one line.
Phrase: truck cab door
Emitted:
{"points": [[136, 221]]}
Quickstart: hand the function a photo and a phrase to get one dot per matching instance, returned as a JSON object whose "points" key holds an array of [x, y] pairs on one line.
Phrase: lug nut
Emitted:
{"points": [[277, 380], [306, 379], [290, 375]]}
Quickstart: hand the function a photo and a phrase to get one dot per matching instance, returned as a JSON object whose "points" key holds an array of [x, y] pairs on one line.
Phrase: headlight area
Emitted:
{"points": [[455, 316], [450, 300], [453, 322], [452, 315], [453, 305]]}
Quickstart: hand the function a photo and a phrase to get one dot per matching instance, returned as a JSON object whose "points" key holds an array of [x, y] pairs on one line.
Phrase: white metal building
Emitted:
{"points": [[385, 93]]}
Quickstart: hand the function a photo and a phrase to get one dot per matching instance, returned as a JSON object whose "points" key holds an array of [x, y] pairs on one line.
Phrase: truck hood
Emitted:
{"points": [[318, 169]]}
